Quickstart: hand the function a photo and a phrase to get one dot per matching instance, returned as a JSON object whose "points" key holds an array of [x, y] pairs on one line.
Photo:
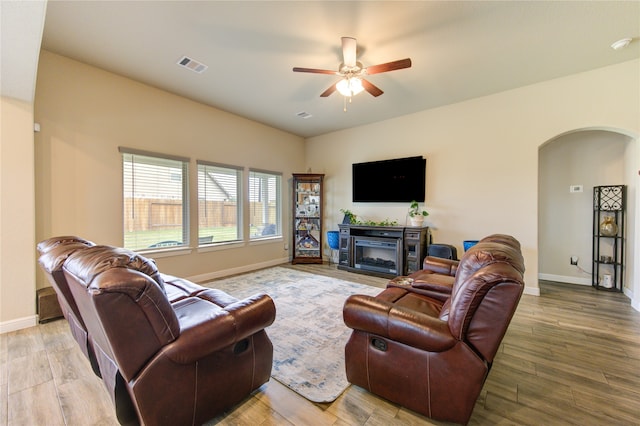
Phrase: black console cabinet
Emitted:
{"points": [[384, 251]]}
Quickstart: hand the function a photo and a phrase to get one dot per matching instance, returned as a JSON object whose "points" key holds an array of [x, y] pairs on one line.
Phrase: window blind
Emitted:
{"points": [[155, 194], [219, 207], [265, 202]]}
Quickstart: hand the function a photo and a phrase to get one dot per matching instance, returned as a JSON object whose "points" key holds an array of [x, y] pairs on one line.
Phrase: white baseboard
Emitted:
{"points": [[18, 324], [532, 291], [234, 271], [565, 279]]}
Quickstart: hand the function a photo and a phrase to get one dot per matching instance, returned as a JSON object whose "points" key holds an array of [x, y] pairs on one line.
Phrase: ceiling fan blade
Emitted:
{"points": [[315, 71], [329, 91], [389, 66], [349, 51], [371, 88]]}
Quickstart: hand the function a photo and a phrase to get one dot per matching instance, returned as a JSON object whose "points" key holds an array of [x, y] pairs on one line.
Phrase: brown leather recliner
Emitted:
{"points": [[437, 275], [53, 253], [429, 355], [181, 363]]}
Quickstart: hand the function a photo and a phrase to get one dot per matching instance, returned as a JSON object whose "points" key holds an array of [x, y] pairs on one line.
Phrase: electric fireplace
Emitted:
{"points": [[383, 251], [377, 254]]}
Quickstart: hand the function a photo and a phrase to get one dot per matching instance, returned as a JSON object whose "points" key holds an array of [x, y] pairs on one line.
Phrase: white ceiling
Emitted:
{"points": [[20, 37], [460, 50]]}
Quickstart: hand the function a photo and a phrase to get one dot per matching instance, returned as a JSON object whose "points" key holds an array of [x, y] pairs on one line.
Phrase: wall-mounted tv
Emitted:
{"points": [[397, 180]]}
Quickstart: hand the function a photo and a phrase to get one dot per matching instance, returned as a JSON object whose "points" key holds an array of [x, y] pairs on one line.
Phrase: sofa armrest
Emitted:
{"points": [[436, 286], [439, 265], [400, 324], [206, 328]]}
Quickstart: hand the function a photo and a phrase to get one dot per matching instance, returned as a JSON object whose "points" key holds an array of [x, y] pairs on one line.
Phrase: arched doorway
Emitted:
{"points": [[583, 158]]}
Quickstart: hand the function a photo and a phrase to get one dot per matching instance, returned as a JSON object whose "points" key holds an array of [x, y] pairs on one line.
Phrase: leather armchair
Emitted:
{"points": [[432, 355], [437, 275], [176, 363], [53, 253]]}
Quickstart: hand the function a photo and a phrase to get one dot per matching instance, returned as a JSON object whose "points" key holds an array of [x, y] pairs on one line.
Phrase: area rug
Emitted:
{"points": [[308, 334]]}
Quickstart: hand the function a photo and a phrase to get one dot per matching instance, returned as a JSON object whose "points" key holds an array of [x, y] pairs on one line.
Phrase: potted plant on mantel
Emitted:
{"points": [[349, 217], [416, 216]]}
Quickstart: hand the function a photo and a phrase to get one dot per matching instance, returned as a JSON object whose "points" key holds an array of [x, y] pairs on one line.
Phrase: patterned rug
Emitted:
{"points": [[308, 334]]}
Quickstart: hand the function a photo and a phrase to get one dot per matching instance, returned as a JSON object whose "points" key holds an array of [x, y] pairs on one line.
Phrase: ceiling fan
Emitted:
{"points": [[352, 72]]}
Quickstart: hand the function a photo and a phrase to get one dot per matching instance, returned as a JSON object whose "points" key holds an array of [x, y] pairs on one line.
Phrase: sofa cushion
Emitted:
{"points": [[51, 243], [502, 239], [485, 253], [179, 288], [54, 256], [98, 259]]}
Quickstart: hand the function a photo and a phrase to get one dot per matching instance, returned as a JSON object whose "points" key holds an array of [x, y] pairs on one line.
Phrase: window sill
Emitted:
{"points": [[266, 240], [220, 246], [156, 254]]}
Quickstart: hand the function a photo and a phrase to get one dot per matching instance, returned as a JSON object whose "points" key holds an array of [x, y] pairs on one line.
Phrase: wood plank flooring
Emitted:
{"points": [[570, 357]]}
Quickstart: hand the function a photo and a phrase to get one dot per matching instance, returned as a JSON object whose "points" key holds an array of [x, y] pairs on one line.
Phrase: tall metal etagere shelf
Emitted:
{"points": [[608, 250]]}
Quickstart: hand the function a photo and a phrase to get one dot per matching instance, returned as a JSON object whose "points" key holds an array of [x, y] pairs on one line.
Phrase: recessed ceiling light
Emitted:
{"points": [[621, 44]]}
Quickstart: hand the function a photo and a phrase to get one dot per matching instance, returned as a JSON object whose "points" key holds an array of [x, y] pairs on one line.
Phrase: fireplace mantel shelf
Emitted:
{"points": [[384, 251]]}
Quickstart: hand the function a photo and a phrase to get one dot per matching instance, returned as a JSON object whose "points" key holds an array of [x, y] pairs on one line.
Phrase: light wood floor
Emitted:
{"points": [[570, 356]]}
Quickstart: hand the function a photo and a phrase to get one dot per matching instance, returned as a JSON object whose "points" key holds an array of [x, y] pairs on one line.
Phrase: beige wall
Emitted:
{"points": [[482, 155], [85, 113], [17, 258], [588, 158]]}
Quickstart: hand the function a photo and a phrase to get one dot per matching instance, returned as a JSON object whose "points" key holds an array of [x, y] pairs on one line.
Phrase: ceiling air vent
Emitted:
{"points": [[303, 114], [194, 66]]}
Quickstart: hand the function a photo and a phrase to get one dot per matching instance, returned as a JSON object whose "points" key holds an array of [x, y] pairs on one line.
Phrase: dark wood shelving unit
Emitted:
{"points": [[308, 196]]}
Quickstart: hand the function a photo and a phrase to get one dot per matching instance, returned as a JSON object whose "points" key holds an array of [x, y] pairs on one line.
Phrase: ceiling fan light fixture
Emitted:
{"points": [[350, 86]]}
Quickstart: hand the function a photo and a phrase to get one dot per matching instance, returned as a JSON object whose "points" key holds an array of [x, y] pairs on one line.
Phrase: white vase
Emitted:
{"points": [[416, 220]]}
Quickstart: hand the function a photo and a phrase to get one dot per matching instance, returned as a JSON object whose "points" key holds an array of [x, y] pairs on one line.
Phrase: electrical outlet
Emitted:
{"points": [[286, 246], [574, 260]]}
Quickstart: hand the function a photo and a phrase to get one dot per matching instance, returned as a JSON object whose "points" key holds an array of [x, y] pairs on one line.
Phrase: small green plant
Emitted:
{"points": [[414, 210], [349, 217], [386, 222]]}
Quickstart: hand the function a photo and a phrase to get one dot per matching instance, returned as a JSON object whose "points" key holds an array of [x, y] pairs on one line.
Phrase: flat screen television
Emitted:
{"points": [[397, 180]]}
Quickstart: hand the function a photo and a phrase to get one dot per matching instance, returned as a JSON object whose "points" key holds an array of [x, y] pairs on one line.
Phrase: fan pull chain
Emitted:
{"points": [[345, 103]]}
